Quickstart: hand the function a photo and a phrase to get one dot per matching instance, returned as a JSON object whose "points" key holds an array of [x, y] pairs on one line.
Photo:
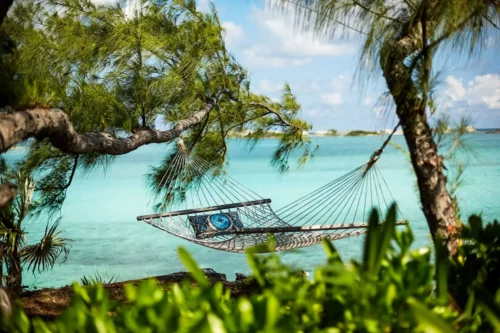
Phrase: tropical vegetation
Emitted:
{"points": [[88, 83], [361, 133], [400, 40], [91, 83], [15, 251], [394, 288]]}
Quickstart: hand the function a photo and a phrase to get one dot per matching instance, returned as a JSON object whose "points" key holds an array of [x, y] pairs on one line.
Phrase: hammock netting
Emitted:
{"points": [[211, 209]]}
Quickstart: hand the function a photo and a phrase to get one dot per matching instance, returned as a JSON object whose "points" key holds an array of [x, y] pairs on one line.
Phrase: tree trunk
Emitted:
{"points": [[8, 192], [437, 203], [14, 278]]}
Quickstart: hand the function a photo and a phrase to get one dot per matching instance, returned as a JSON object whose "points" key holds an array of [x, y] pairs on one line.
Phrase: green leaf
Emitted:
{"points": [[427, 321], [273, 308], [371, 243], [331, 252], [487, 304], [386, 235], [216, 325], [256, 270], [441, 266], [192, 267]]}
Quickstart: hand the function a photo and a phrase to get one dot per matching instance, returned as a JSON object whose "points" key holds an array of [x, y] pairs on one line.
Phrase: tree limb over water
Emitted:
{"points": [[56, 126]]}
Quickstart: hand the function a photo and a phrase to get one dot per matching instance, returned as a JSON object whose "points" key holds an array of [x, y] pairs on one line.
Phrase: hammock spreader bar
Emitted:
{"points": [[302, 229], [205, 209]]}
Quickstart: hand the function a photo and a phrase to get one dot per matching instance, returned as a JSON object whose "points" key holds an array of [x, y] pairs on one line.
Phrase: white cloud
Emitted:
{"points": [[233, 33], [266, 87], [297, 43], [203, 5], [368, 101], [283, 45], [484, 89], [255, 58], [316, 112], [341, 83], [333, 98], [456, 90]]}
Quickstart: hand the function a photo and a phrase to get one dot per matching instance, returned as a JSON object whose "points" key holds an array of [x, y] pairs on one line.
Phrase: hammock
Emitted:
{"points": [[225, 215]]}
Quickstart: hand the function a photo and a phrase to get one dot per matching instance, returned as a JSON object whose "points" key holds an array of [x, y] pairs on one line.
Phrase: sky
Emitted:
{"points": [[322, 73]]}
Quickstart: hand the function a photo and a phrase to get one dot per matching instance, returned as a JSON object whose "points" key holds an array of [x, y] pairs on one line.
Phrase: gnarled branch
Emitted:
{"points": [[55, 125]]}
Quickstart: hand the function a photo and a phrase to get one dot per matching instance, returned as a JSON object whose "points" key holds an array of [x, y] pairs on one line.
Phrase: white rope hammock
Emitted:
{"points": [[222, 214]]}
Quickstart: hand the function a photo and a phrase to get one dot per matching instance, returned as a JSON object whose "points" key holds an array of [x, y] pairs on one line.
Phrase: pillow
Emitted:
{"points": [[217, 224]]}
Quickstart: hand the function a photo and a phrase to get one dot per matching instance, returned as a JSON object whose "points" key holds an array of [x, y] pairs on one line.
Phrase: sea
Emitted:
{"points": [[100, 211]]}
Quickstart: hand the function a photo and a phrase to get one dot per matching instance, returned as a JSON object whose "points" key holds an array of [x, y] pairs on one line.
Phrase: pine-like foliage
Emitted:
{"points": [[121, 74]]}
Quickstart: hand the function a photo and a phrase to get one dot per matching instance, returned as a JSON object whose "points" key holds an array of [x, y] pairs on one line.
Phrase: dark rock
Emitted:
{"points": [[301, 273], [241, 277], [213, 275], [178, 277]]}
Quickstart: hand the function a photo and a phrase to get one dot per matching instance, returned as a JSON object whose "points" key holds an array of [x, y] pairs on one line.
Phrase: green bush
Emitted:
{"points": [[393, 289], [361, 133]]}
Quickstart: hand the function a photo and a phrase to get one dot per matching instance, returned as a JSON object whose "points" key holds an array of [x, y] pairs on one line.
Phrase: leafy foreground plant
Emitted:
{"points": [[393, 289], [14, 250]]}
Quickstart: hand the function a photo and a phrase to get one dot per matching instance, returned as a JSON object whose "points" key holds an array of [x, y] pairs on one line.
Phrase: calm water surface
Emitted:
{"points": [[101, 208]]}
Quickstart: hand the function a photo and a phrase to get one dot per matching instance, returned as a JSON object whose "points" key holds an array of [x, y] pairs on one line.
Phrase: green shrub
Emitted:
{"points": [[97, 278], [361, 133], [393, 289]]}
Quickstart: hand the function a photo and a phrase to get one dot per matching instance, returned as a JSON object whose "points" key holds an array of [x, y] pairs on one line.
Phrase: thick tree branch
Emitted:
{"points": [[56, 126], [7, 192]]}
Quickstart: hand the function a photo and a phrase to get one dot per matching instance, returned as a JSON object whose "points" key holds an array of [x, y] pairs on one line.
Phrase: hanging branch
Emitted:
{"points": [[56, 126], [276, 113]]}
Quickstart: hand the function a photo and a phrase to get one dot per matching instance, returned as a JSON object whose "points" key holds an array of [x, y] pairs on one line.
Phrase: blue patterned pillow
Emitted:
{"points": [[217, 224]]}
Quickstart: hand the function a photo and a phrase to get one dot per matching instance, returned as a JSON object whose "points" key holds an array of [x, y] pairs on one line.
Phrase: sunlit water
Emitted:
{"points": [[101, 208]]}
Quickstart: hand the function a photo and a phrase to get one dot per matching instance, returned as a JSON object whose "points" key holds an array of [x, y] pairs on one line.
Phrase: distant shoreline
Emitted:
{"points": [[353, 133]]}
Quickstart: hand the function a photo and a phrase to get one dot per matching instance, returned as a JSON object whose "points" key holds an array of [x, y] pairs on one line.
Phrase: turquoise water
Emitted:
{"points": [[101, 208]]}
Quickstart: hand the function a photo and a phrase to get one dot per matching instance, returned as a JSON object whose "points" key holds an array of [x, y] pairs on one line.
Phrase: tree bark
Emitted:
{"points": [[14, 279], [56, 126], [436, 201], [7, 192]]}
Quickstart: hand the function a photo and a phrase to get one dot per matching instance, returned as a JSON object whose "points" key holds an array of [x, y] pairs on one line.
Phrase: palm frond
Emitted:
{"points": [[44, 255], [97, 278]]}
